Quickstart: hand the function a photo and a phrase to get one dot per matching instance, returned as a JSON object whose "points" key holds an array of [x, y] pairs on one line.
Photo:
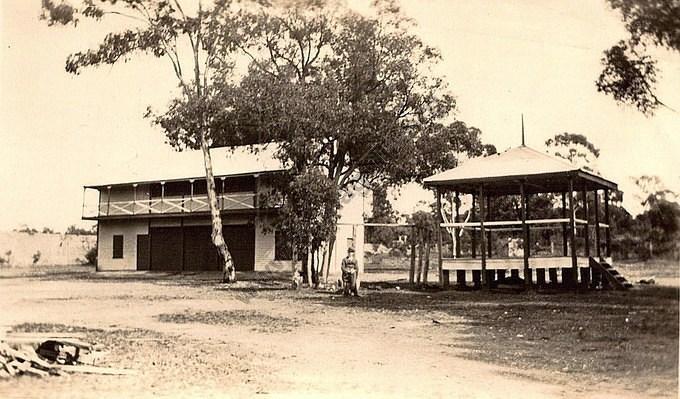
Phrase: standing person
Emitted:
{"points": [[350, 270]]}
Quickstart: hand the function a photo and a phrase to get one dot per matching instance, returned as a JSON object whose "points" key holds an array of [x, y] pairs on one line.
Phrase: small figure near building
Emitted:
{"points": [[350, 270]]}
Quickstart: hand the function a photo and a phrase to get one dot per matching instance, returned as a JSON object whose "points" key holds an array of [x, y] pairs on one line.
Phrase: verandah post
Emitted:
{"points": [[586, 217], [474, 231], [82, 209], [485, 280], [572, 224], [222, 193], [488, 234], [527, 199], [191, 202], [162, 196], [608, 238], [525, 232], [564, 225], [108, 200], [438, 221], [134, 197], [456, 231], [597, 224]]}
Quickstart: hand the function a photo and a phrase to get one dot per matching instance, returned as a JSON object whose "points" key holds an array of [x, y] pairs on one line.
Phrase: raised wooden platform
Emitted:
{"points": [[512, 263]]}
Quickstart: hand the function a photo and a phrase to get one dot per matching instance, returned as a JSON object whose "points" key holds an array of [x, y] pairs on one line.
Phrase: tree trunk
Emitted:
{"points": [[296, 279], [412, 269], [420, 258], [331, 244], [306, 260], [427, 259], [322, 261], [315, 267], [217, 236]]}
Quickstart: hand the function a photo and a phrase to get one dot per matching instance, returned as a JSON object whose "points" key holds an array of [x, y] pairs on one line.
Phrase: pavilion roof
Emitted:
{"points": [[501, 174], [187, 165]]}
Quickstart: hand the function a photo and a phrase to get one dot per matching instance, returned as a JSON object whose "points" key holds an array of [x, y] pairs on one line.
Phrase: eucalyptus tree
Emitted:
{"points": [[575, 148], [199, 47], [630, 73]]}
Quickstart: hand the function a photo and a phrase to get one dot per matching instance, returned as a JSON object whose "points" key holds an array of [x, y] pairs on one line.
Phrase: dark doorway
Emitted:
{"points": [[199, 251], [190, 248], [241, 243], [201, 254], [142, 252], [166, 248]]}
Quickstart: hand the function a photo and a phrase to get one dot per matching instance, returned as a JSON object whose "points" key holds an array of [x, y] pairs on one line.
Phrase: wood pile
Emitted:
{"points": [[42, 355]]}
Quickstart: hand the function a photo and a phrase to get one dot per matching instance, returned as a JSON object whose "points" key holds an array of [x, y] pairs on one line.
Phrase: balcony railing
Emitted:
{"points": [[170, 205]]}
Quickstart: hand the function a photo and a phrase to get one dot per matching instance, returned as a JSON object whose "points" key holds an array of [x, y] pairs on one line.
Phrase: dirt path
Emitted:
{"points": [[330, 351]]}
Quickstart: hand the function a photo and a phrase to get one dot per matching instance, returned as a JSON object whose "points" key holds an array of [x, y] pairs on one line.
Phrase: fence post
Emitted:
{"points": [[438, 230]]}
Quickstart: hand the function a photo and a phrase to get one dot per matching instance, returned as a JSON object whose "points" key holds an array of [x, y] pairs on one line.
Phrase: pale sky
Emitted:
{"points": [[501, 58]]}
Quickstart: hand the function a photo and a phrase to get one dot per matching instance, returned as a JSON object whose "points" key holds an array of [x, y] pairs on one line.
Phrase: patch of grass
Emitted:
{"points": [[257, 321], [107, 338], [626, 337]]}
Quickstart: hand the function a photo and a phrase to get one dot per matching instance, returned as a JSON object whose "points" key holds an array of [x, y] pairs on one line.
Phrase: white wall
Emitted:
{"points": [[18, 249], [350, 232], [129, 229], [264, 249]]}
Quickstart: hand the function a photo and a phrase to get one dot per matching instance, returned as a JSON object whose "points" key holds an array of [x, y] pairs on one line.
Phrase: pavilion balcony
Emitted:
{"points": [[167, 206], [549, 256], [548, 240]]}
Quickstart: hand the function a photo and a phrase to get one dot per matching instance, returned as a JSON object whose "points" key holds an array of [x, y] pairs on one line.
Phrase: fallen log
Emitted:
{"points": [[48, 335], [95, 370], [35, 371]]}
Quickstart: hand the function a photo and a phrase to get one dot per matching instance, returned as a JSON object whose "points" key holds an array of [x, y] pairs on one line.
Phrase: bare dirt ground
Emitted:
{"points": [[187, 335]]}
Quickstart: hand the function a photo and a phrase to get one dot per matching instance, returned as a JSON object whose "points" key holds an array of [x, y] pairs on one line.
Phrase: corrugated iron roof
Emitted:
{"points": [[518, 162], [226, 161]]}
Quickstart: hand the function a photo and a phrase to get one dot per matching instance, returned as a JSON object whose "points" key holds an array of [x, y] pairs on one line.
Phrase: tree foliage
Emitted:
{"points": [[629, 74], [73, 229], [350, 94], [304, 216], [426, 223], [575, 148], [26, 229], [659, 224], [307, 217]]}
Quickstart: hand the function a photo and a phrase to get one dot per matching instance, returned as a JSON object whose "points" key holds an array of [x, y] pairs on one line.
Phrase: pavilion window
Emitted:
{"points": [[117, 247]]}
